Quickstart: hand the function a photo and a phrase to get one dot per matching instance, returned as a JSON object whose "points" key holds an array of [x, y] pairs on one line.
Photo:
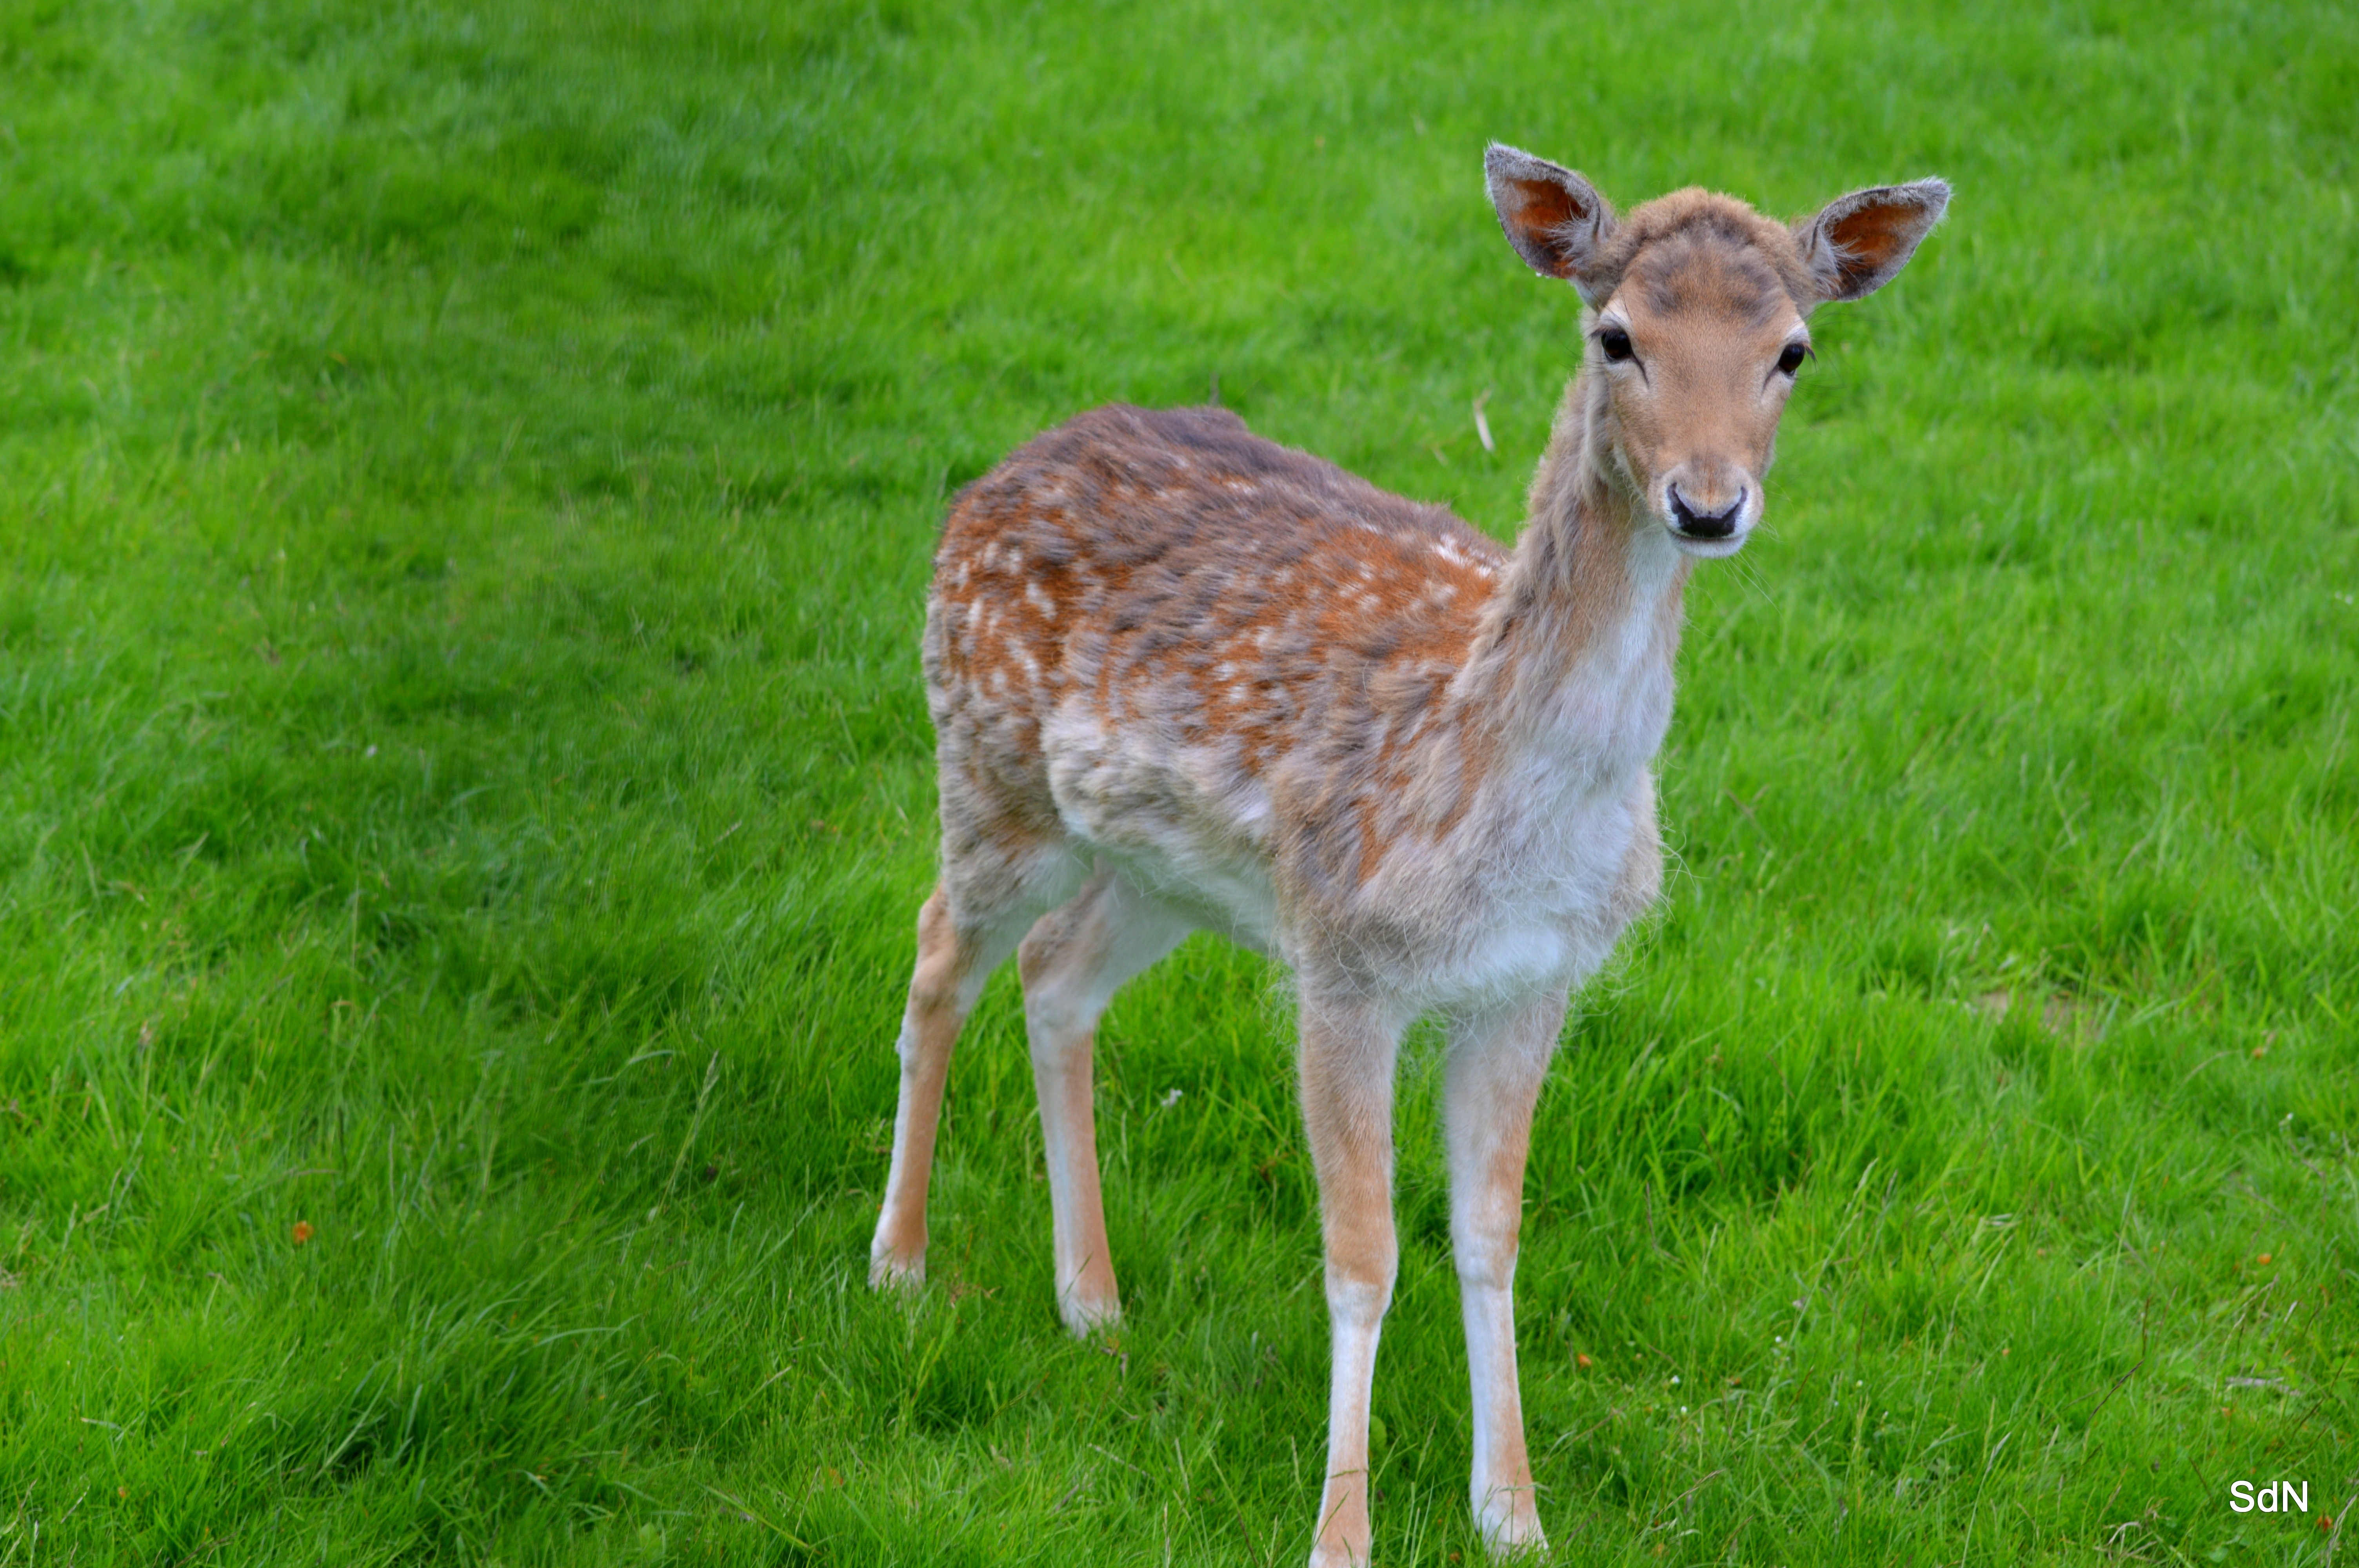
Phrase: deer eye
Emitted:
{"points": [[1616, 344], [1790, 360]]}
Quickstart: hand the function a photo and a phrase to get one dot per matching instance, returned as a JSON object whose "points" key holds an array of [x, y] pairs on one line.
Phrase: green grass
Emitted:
{"points": [[466, 482]]}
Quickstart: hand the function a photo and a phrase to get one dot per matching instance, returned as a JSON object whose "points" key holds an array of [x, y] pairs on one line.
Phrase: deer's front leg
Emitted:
{"points": [[1348, 1048], [1497, 1064]]}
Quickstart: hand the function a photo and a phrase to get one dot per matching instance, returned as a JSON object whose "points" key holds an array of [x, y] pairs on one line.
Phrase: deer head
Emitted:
{"points": [[1698, 322]]}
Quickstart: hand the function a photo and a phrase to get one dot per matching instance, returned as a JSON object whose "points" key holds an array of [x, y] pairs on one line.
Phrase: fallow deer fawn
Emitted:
{"points": [[1182, 676]]}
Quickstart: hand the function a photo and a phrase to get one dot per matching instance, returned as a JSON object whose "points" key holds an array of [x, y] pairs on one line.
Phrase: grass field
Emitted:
{"points": [[467, 476]]}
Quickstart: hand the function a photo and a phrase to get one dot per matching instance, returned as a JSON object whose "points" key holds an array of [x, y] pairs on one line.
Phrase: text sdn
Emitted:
{"points": [[2276, 1496]]}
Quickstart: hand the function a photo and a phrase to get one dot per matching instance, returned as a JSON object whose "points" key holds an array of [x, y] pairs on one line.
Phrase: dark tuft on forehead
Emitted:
{"points": [[1694, 249], [1715, 274]]}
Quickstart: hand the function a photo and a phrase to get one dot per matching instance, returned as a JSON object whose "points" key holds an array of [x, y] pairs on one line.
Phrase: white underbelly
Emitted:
{"points": [[1166, 823], [1512, 904]]}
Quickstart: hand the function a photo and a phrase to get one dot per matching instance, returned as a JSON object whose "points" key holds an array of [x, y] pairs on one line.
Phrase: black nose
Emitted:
{"points": [[1699, 526]]}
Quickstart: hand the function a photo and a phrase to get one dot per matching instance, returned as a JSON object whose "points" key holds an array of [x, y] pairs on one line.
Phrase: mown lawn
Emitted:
{"points": [[467, 474]]}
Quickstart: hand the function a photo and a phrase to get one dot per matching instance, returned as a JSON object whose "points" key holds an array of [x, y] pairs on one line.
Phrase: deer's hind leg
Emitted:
{"points": [[966, 930], [1073, 962]]}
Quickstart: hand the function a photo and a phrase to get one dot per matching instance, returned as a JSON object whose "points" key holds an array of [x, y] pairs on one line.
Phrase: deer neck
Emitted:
{"points": [[1572, 664]]}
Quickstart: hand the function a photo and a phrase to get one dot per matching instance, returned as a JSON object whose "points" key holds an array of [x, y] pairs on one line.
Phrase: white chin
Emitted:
{"points": [[1709, 549]]}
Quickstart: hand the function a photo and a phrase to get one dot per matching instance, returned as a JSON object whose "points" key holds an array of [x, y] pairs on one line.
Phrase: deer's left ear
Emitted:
{"points": [[1860, 242]]}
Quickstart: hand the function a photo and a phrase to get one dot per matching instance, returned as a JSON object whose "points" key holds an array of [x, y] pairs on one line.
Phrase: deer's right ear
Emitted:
{"points": [[1555, 218]]}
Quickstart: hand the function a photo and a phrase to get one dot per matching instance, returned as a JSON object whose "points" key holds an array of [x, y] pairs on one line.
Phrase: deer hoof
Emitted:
{"points": [[1086, 1315], [888, 1271], [1512, 1533]]}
